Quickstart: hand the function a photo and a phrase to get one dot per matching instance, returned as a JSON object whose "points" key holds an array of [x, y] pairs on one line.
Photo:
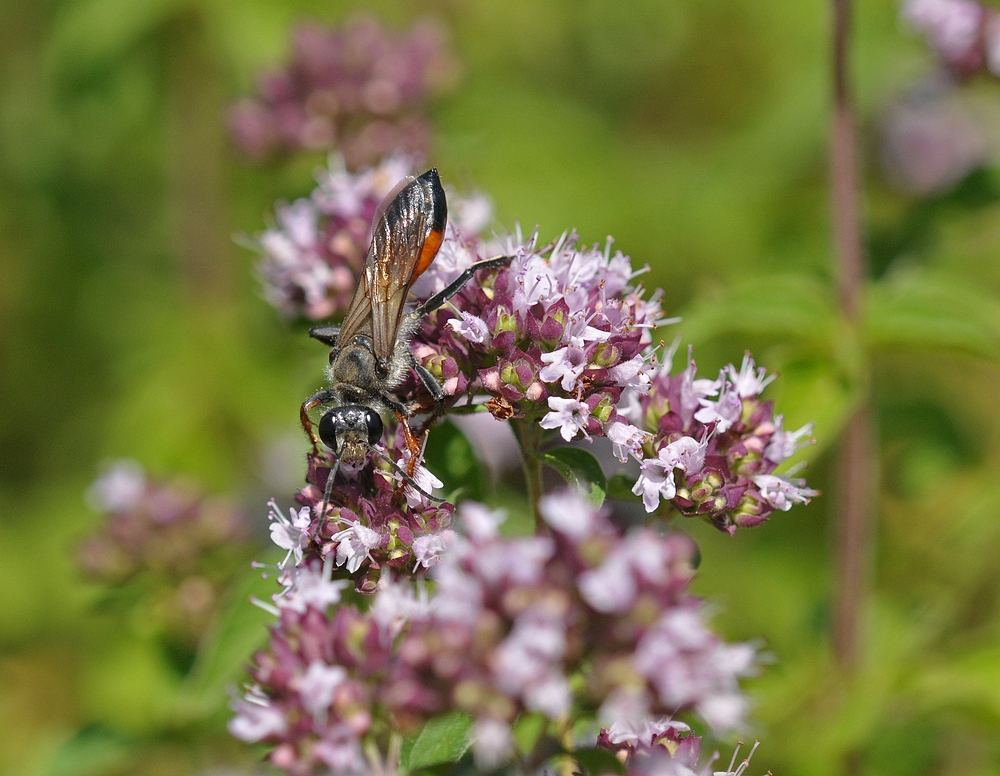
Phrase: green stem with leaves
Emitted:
{"points": [[529, 437]]}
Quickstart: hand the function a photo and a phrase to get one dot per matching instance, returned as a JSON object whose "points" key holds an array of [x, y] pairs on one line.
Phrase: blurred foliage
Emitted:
{"points": [[695, 132]]}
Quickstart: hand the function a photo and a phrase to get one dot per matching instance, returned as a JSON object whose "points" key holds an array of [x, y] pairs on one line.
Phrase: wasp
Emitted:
{"points": [[370, 352]]}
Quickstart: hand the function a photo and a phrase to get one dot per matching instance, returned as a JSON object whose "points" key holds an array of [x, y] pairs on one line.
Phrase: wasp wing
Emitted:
{"points": [[358, 319], [405, 241]]}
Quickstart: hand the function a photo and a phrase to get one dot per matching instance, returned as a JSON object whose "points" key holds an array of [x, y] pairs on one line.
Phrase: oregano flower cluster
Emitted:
{"points": [[713, 446], [590, 620], [553, 338], [373, 520], [177, 542], [359, 88], [586, 625]]}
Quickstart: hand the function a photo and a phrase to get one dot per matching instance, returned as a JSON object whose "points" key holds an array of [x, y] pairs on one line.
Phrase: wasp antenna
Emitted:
{"points": [[329, 486], [412, 482]]}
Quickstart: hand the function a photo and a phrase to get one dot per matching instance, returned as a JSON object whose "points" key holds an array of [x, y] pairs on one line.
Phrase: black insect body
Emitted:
{"points": [[370, 352]]}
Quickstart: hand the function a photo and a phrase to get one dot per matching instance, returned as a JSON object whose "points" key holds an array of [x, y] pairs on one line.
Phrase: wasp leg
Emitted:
{"points": [[325, 334], [403, 413], [413, 444], [320, 397], [434, 388], [456, 285], [428, 380]]}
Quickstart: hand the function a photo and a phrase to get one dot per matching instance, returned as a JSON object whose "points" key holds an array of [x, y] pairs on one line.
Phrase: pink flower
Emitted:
{"points": [[119, 489], [309, 585], [722, 413], [428, 549], [626, 439], [610, 587], [568, 415], [784, 444], [781, 493], [355, 545], [480, 522], [289, 533], [568, 513], [340, 749], [256, 719], [656, 480], [318, 685], [564, 366], [750, 380], [470, 327], [492, 742]]}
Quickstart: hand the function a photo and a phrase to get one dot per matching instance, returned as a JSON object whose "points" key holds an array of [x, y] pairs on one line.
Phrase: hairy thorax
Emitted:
{"points": [[354, 365]]}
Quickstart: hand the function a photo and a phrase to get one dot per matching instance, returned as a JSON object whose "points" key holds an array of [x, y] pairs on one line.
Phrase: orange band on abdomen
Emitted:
{"points": [[428, 252]]}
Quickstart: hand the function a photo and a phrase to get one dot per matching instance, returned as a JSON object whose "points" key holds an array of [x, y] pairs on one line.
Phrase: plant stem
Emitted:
{"points": [[857, 451], [197, 143], [529, 437], [846, 193], [854, 536]]}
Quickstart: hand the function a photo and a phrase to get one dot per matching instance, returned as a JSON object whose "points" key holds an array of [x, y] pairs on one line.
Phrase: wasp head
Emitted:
{"points": [[350, 431]]}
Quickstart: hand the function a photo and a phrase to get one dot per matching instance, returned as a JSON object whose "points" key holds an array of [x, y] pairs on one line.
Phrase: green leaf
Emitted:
{"points": [[240, 630], [404, 754], [89, 752], [597, 761], [527, 729], [620, 488], [580, 469], [443, 740], [450, 456], [926, 310]]}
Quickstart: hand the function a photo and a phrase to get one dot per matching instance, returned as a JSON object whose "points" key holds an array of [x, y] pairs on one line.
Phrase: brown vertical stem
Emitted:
{"points": [[857, 453], [529, 437], [844, 176], [854, 535], [197, 146]]}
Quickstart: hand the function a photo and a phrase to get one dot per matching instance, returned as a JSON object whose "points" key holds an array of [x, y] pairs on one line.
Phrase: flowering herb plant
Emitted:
{"points": [[359, 88], [410, 630], [165, 544]]}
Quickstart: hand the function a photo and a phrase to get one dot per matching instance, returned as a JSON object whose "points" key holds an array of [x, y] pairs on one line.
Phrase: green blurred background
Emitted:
{"points": [[695, 132]]}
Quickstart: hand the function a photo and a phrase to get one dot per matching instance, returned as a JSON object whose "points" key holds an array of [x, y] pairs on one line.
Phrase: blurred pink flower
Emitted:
{"points": [[359, 89]]}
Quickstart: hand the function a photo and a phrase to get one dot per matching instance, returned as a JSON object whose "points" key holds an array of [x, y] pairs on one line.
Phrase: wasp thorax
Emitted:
{"points": [[354, 365], [350, 431]]}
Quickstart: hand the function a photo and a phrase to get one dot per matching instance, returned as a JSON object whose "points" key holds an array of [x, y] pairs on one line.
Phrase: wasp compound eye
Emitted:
{"points": [[374, 423], [328, 430]]}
